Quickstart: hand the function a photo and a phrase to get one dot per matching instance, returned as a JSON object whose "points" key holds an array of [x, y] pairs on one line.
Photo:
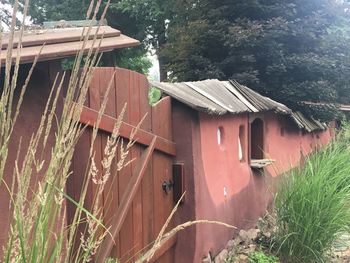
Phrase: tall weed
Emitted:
{"points": [[313, 203], [38, 228], [38, 224]]}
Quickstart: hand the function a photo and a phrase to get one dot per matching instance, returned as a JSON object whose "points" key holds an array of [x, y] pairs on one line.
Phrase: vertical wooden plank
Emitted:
{"points": [[110, 194], [122, 80], [126, 201], [76, 180], [162, 171], [148, 235], [135, 117], [95, 103]]}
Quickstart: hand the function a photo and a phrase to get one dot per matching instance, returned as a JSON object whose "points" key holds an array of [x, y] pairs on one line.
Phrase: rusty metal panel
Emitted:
{"points": [[216, 91], [260, 102], [190, 97], [221, 97]]}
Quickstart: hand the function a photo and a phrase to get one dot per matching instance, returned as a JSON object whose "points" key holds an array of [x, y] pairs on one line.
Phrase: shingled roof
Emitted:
{"points": [[229, 97], [64, 42]]}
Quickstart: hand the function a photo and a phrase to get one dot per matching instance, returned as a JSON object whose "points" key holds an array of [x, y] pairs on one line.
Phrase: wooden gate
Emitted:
{"points": [[135, 206]]}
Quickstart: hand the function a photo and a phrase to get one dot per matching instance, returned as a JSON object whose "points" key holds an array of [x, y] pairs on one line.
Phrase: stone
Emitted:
{"points": [[244, 236], [253, 233], [266, 234], [230, 245], [237, 241], [249, 249], [206, 260], [220, 258], [242, 258], [248, 236]]}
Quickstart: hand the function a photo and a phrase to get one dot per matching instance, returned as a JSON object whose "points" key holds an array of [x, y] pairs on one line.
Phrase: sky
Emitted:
{"points": [[154, 70], [19, 15]]}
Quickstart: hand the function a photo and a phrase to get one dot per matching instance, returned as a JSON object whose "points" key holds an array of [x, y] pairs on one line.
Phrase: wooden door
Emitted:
{"points": [[135, 206]]}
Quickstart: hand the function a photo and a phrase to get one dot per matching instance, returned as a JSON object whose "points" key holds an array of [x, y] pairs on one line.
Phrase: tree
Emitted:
{"points": [[292, 51], [6, 15], [152, 19]]}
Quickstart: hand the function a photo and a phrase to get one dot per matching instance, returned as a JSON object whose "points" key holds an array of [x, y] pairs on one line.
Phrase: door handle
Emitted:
{"points": [[167, 186]]}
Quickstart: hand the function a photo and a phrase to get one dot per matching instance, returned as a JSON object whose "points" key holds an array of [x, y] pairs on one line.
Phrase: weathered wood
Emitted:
{"points": [[145, 211], [260, 163], [63, 35], [110, 193], [126, 242], [162, 171], [148, 234], [73, 23], [125, 203], [89, 117], [165, 245], [62, 50], [135, 116], [179, 181]]}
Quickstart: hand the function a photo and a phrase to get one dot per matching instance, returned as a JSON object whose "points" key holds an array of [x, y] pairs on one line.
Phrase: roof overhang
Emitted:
{"points": [[66, 42], [222, 97]]}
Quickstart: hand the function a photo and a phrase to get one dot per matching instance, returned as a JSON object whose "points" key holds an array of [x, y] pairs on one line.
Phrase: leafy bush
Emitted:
{"points": [[154, 95], [261, 257], [312, 204]]}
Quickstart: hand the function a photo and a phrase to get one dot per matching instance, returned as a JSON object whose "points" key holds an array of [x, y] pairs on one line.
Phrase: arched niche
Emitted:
{"points": [[257, 139]]}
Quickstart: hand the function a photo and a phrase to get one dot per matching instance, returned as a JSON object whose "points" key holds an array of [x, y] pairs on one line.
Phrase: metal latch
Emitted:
{"points": [[167, 186]]}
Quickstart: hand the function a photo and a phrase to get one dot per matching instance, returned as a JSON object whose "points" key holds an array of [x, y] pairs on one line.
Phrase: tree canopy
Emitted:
{"points": [[294, 51]]}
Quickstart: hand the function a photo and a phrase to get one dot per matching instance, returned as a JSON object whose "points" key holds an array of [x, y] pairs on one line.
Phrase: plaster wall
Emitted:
{"points": [[220, 186], [226, 191], [288, 145]]}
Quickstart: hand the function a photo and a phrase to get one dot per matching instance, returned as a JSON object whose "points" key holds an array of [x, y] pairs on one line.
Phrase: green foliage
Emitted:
{"points": [[312, 204], [55, 10], [261, 257], [292, 51], [154, 95], [133, 59], [230, 258]]}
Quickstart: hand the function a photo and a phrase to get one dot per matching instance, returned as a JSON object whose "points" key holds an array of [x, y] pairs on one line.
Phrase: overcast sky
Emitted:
{"points": [[154, 71]]}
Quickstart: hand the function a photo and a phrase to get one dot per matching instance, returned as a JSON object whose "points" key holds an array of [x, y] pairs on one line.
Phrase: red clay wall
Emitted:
{"points": [[221, 187], [289, 148]]}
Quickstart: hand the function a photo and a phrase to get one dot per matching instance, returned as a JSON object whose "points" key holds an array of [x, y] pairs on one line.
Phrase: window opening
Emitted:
{"points": [[257, 139], [241, 144], [220, 135]]}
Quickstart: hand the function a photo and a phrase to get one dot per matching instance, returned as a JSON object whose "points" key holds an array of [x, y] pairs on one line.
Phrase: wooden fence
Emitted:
{"points": [[135, 206]]}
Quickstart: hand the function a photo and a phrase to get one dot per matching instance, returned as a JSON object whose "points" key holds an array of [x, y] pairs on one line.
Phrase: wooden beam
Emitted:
{"points": [[165, 245], [125, 203], [62, 50], [56, 36], [89, 117]]}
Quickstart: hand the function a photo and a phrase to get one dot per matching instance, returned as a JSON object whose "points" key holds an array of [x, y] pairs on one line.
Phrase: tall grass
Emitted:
{"points": [[38, 228], [313, 204], [38, 225]]}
